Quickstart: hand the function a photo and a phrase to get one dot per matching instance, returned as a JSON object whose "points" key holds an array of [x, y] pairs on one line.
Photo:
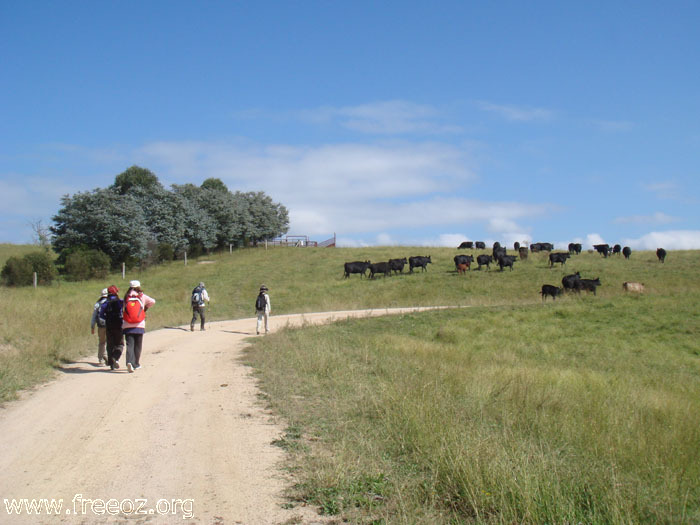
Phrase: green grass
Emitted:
{"points": [[586, 409]]}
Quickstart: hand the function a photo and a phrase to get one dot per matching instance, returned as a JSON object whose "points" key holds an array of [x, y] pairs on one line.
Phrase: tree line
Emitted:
{"points": [[138, 221]]}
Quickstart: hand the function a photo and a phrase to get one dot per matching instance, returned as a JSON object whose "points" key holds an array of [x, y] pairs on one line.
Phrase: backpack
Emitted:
{"points": [[111, 311], [260, 302], [134, 311], [100, 317], [197, 296]]}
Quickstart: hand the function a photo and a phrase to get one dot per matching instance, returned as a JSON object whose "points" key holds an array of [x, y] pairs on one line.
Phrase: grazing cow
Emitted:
{"points": [[661, 254], [575, 247], [484, 260], [588, 284], [551, 290], [397, 265], [633, 287], [569, 281], [462, 268], [522, 252], [466, 245], [464, 259], [496, 245], [541, 247], [480, 245], [380, 267], [506, 260], [602, 249], [558, 257], [498, 251], [617, 249], [356, 267], [516, 246], [419, 260], [627, 251]]}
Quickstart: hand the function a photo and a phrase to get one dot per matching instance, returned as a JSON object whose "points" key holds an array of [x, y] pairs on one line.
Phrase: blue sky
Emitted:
{"points": [[392, 123]]}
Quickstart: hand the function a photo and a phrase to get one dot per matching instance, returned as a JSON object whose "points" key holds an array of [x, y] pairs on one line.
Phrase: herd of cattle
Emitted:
{"points": [[499, 256]]}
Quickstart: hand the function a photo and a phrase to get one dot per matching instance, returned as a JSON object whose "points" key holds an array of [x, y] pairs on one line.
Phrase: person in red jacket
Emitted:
{"points": [[136, 303]]}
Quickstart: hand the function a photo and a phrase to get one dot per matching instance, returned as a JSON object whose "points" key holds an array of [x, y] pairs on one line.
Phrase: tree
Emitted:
{"points": [[214, 184], [103, 220], [135, 176], [266, 219], [42, 233]]}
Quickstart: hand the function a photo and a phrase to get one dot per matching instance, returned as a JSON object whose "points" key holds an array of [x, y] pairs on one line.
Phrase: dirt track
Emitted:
{"points": [[184, 439]]}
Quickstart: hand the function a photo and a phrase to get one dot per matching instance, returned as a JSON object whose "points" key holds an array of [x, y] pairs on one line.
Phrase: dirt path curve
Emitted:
{"points": [[182, 440]]}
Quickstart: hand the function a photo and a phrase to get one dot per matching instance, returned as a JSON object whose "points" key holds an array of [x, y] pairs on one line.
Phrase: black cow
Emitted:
{"points": [[551, 290], [380, 267], [484, 260], [541, 247], [602, 249], [480, 245], [496, 245], [575, 247], [516, 246], [464, 259], [569, 282], [466, 245], [397, 265], [558, 257], [627, 251], [419, 260], [588, 284], [661, 254], [522, 252], [356, 267], [506, 260], [617, 249], [498, 251]]}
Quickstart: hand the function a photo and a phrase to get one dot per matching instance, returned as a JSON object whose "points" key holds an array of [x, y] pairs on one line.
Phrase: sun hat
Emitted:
{"points": [[263, 287], [201, 284], [135, 284], [113, 290], [104, 292]]}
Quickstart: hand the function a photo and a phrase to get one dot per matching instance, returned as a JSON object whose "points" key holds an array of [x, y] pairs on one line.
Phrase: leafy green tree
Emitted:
{"points": [[103, 220], [19, 271], [265, 219], [214, 184], [135, 176], [86, 264]]}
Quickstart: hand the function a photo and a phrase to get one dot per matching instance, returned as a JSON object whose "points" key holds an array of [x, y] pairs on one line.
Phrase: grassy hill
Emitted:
{"points": [[586, 409]]}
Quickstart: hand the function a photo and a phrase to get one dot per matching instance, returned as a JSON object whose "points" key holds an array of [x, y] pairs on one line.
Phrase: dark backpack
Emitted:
{"points": [[100, 316], [197, 296], [111, 311], [260, 302]]}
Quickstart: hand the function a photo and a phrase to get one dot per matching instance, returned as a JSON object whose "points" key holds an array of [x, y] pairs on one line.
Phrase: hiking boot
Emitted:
{"points": [[136, 367], [192, 328], [116, 365], [130, 367]]}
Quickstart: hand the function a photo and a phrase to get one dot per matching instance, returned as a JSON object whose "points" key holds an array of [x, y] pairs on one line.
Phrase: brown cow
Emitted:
{"points": [[462, 268]]}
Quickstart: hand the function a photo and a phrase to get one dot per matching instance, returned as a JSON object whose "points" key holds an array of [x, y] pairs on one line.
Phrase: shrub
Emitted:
{"points": [[18, 271], [165, 252], [87, 264]]}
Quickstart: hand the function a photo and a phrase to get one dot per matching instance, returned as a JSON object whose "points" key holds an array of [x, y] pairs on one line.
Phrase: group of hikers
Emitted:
{"points": [[123, 321]]}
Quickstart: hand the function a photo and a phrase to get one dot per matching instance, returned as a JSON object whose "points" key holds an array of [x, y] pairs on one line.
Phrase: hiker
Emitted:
{"points": [[101, 329], [199, 296], [136, 303], [111, 311], [262, 309]]}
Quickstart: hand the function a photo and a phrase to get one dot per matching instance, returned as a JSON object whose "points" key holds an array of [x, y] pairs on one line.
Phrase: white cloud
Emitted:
{"points": [[655, 218], [668, 190], [516, 113], [591, 239], [670, 240], [384, 118], [612, 126], [31, 196]]}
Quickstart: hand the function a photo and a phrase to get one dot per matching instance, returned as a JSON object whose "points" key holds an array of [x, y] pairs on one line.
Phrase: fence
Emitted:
{"points": [[301, 241]]}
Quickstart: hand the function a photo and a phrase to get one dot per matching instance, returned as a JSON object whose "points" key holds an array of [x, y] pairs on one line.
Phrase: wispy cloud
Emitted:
{"points": [[394, 117], [668, 190], [655, 218], [611, 126], [356, 189], [516, 113]]}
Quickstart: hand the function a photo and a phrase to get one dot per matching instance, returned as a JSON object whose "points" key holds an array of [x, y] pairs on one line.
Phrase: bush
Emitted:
{"points": [[87, 264], [19, 271], [165, 252]]}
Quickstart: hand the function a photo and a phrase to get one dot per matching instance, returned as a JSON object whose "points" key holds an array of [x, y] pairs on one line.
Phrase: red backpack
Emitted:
{"points": [[134, 312]]}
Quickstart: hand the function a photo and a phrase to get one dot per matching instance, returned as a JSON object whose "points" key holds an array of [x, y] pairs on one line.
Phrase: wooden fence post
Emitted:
{"points": [[35, 279]]}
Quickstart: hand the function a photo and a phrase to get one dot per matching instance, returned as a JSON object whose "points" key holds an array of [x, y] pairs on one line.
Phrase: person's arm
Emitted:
{"points": [[95, 312], [269, 304]]}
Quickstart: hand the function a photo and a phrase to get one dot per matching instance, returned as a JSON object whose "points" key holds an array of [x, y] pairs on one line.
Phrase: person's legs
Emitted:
{"points": [[130, 343], [201, 316], [138, 344], [258, 326], [267, 327], [115, 347], [102, 344], [194, 318]]}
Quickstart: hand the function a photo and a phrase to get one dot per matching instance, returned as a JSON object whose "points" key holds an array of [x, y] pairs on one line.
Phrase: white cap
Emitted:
{"points": [[135, 284], [105, 293]]}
